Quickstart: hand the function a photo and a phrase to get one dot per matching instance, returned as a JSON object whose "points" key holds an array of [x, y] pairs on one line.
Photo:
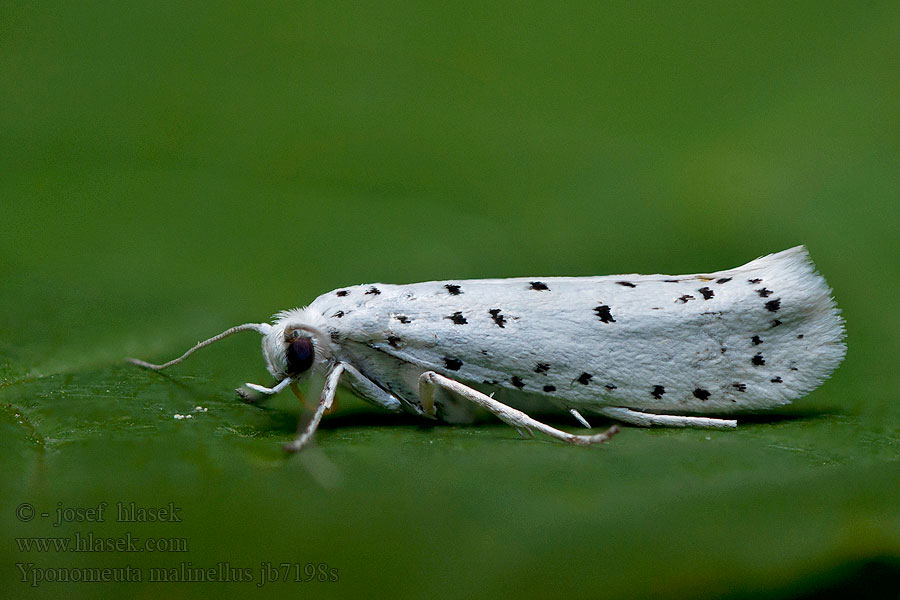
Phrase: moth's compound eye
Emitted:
{"points": [[299, 353]]}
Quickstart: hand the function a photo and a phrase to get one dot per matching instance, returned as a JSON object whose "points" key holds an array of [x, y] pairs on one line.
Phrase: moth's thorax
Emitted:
{"points": [[288, 325]]}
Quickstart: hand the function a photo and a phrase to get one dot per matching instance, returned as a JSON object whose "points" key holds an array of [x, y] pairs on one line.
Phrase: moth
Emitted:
{"points": [[646, 350]]}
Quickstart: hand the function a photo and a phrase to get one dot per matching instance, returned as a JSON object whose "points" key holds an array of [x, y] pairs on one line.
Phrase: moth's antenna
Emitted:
{"points": [[262, 328]]}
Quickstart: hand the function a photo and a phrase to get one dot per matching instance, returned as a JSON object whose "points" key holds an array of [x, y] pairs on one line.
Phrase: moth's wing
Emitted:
{"points": [[752, 337]]}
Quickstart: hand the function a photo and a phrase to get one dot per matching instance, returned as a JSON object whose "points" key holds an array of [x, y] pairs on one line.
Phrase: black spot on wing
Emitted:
{"points": [[604, 314], [539, 286], [723, 280], [490, 382], [684, 299], [611, 386], [393, 341], [800, 336], [452, 363], [584, 378], [764, 293], [776, 379], [373, 291], [658, 391], [549, 388], [707, 293], [626, 284], [335, 336], [457, 318], [541, 368], [402, 318], [701, 394], [773, 305], [754, 281], [741, 387], [499, 319], [517, 382], [776, 323], [671, 280], [758, 360], [342, 293], [338, 314], [756, 340], [453, 289]]}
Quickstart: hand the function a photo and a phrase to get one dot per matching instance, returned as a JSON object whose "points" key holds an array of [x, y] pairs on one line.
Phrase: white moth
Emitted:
{"points": [[640, 349]]}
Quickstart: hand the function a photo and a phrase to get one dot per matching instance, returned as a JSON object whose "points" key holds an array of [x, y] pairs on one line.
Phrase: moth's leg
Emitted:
{"points": [[430, 380], [250, 397], [325, 400], [579, 418], [369, 390], [626, 415], [252, 393]]}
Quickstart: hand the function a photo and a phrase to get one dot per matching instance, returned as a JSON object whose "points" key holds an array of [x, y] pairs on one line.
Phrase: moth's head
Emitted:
{"points": [[293, 347]]}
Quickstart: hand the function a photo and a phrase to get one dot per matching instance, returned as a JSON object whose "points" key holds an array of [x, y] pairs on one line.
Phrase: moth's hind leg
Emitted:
{"points": [[643, 419], [430, 381]]}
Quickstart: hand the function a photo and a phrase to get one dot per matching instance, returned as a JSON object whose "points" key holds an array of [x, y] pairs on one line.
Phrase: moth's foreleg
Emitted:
{"points": [[643, 419], [430, 380], [325, 401], [250, 396]]}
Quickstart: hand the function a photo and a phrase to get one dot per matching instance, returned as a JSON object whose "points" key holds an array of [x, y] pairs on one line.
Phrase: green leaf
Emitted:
{"points": [[168, 171]]}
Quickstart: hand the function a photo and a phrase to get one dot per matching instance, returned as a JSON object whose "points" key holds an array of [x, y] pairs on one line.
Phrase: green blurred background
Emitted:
{"points": [[170, 169]]}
